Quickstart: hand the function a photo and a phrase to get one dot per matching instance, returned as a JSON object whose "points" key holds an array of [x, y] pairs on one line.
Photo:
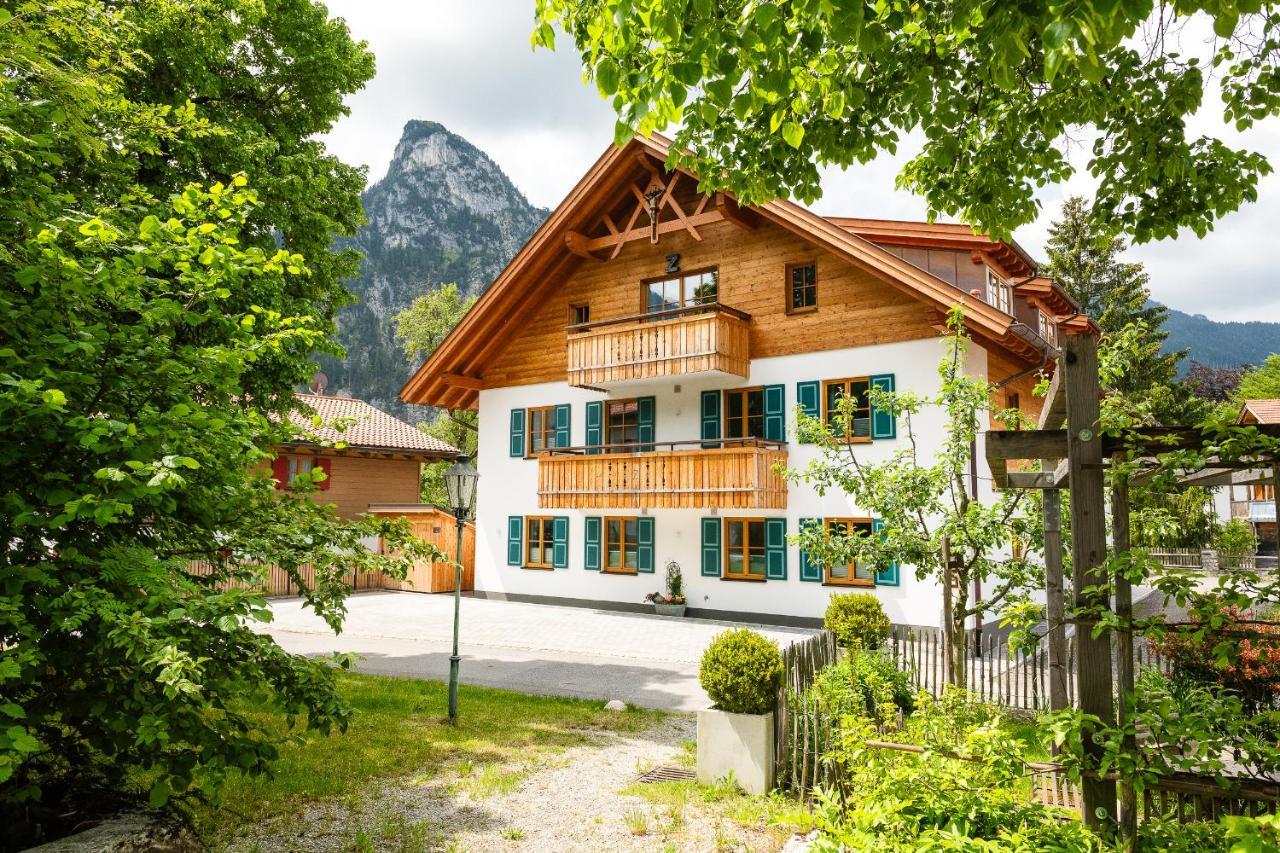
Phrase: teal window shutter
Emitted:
{"points": [[888, 576], [515, 540], [560, 542], [711, 547], [563, 413], [591, 538], [517, 432], [809, 570], [775, 412], [809, 397], [644, 422], [775, 549], [883, 424], [710, 418], [595, 425], [644, 544]]}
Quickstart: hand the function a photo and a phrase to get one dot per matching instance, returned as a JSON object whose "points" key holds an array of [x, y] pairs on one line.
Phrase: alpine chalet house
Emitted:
{"points": [[637, 365]]}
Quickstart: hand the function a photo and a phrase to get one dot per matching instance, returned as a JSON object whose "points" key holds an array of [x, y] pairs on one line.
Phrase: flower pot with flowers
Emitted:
{"points": [[671, 603]]}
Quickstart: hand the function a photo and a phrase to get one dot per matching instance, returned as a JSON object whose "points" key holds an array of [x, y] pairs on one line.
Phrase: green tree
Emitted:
{"points": [[1259, 383], [157, 314], [421, 327], [930, 518], [763, 93]]}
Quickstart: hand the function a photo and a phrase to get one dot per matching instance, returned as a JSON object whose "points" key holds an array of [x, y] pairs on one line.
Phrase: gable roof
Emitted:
{"points": [[451, 376], [370, 429], [1260, 412], [949, 235]]}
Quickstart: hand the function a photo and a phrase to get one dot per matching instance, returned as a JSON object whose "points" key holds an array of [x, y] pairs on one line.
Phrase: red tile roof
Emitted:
{"points": [[366, 428], [1263, 411]]}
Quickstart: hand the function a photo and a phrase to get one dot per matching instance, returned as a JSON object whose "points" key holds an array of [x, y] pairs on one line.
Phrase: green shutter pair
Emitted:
{"points": [[775, 415], [559, 541], [811, 571], [518, 417], [645, 414], [883, 424], [775, 544], [593, 551]]}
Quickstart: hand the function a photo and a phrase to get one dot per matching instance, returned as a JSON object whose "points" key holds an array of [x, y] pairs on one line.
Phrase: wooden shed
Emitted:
{"points": [[437, 526]]}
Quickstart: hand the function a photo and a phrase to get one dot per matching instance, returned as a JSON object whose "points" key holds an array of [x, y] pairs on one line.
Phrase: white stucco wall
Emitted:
{"points": [[508, 487]]}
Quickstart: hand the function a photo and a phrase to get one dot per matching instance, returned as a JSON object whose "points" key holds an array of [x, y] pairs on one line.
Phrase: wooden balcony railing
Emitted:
{"points": [[697, 339], [732, 474]]}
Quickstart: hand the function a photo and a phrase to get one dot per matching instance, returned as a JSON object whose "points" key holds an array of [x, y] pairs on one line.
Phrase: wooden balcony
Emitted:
{"points": [[700, 339], [735, 474]]}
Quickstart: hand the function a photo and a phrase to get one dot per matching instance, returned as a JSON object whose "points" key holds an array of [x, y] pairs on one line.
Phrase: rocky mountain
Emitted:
{"points": [[443, 213], [1220, 344]]}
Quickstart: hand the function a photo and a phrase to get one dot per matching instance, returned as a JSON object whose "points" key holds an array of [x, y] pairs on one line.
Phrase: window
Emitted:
{"points": [[744, 548], [621, 545], [854, 574], [1047, 328], [855, 389], [300, 465], [539, 540], [744, 413], [999, 292], [579, 314], [622, 422], [1013, 401], [542, 430], [1260, 492], [802, 287], [681, 291]]}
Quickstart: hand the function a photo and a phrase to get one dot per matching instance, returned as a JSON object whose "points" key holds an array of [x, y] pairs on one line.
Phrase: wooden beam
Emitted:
{"points": [[612, 240], [1120, 543], [1055, 602], [580, 245], [1054, 411], [732, 212], [472, 382]]}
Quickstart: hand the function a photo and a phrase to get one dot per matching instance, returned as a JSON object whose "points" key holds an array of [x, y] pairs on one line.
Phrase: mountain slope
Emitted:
{"points": [[1220, 344], [444, 212]]}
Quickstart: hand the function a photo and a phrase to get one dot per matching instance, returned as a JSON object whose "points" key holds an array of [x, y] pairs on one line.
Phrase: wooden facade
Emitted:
{"points": [[739, 475], [676, 343], [434, 525]]}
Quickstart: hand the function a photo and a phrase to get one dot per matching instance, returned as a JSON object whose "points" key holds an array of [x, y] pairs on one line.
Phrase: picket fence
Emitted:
{"points": [[274, 580]]}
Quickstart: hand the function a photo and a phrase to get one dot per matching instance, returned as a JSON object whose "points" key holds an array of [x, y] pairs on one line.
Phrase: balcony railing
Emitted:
{"points": [[697, 339], [726, 474]]}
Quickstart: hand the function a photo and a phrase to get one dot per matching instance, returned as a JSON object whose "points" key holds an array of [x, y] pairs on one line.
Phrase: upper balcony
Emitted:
{"points": [[727, 474], [683, 341]]}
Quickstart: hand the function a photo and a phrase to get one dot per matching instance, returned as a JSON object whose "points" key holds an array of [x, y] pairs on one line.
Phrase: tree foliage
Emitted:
{"points": [[763, 93], [164, 282], [1260, 383]]}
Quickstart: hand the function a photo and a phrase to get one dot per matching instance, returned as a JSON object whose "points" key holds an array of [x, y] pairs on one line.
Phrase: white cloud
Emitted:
{"points": [[469, 66]]}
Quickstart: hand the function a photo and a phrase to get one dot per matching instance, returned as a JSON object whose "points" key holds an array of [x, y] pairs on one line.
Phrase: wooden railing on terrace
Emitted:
{"points": [[679, 342], [726, 474]]}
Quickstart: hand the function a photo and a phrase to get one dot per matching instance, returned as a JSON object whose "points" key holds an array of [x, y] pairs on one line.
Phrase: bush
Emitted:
{"points": [[1234, 540], [857, 619], [1229, 647], [741, 672], [865, 683]]}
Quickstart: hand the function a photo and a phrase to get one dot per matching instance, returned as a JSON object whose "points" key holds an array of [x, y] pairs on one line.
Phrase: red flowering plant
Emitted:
{"points": [[1231, 647]]}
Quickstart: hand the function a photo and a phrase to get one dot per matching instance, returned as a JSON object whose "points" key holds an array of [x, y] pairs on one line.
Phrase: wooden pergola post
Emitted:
{"points": [[1120, 542], [1055, 611], [1079, 366]]}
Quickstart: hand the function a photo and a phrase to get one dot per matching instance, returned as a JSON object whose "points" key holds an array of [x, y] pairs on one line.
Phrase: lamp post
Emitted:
{"points": [[460, 484]]}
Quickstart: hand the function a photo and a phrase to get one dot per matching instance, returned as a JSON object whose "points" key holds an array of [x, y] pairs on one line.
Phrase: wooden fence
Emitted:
{"points": [[276, 581], [1209, 561], [803, 733]]}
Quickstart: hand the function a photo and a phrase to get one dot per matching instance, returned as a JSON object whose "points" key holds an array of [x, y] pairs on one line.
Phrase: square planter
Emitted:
{"points": [[668, 609], [741, 743]]}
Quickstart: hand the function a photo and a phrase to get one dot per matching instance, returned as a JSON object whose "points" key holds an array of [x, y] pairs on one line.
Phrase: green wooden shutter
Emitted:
{"points": [[775, 549], [883, 424], [644, 421], [644, 539], [563, 413], [775, 412], [888, 576], [809, 570], [517, 432], [711, 547], [595, 425], [515, 540], [809, 398], [710, 418], [560, 542], [591, 538]]}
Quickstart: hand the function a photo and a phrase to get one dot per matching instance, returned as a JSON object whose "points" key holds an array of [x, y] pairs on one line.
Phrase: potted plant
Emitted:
{"points": [[672, 603], [741, 672]]}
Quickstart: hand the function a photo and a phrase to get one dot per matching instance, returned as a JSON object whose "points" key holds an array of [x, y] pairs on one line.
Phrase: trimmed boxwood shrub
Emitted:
{"points": [[741, 672], [857, 619]]}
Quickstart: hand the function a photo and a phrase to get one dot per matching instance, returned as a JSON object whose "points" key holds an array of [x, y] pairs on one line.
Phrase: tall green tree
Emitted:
{"points": [[1259, 383], [165, 279], [763, 93]]}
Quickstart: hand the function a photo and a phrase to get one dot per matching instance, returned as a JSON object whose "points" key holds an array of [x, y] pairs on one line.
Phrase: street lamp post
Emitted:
{"points": [[460, 484]]}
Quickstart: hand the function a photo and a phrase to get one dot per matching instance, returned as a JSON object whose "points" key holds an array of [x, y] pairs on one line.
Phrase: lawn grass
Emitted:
{"points": [[399, 732]]}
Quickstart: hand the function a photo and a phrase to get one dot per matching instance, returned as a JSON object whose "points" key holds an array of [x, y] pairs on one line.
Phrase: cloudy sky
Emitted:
{"points": [[469, 66]]}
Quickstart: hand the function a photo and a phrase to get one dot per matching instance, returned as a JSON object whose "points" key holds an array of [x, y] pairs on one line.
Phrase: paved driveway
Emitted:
{"points": [[533, 648]]}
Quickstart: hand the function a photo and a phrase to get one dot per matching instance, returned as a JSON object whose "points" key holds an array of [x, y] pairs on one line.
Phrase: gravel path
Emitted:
{"points": [[565, 803]]}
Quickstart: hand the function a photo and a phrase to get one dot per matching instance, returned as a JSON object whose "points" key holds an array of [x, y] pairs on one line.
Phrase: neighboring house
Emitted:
{"points": [[379, 464], [637, 365], [1256, 502]]}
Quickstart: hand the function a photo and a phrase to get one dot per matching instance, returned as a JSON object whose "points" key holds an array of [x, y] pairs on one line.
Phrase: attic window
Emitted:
{"points": [[579, 314], [802, 288], [999, 292]]}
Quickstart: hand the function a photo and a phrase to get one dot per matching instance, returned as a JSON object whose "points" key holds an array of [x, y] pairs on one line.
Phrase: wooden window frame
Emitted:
{"points": [[548, 434], [577, 308], [684, 277], [542, 542], [725, 574], [789, 291], [852, 580], [604, 544], [1000, 292], [826, 411], [724, 410], [608, 427]]}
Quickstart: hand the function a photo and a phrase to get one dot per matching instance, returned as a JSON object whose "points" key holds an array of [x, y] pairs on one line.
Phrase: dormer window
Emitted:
{"points": [[999, 292], [1048, 329]]}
